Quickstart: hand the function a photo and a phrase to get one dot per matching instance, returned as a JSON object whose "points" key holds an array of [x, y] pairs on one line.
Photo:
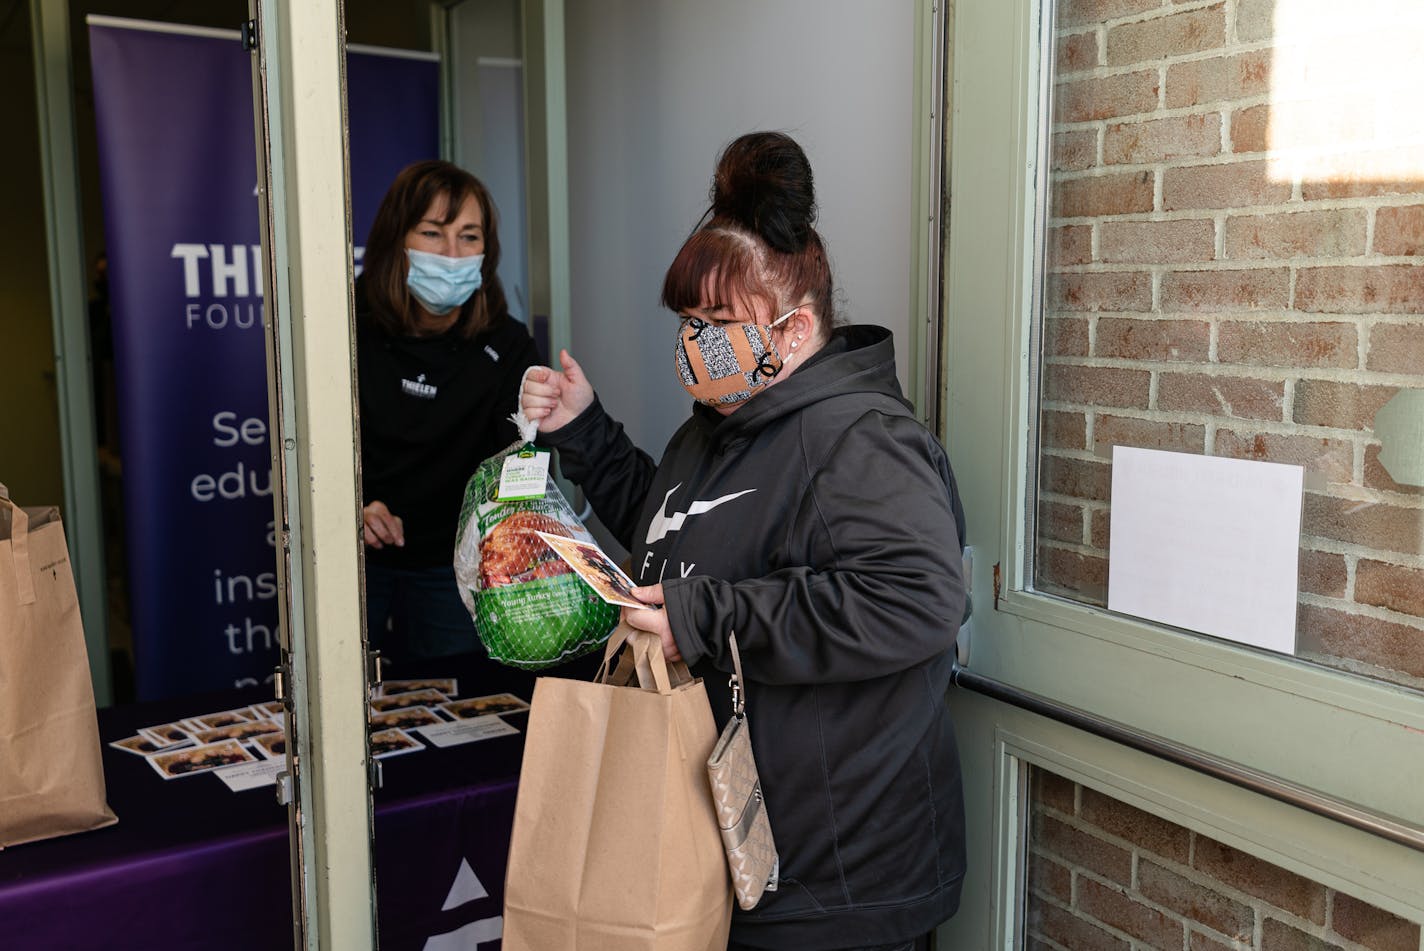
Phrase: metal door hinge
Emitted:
{"points": [[284, 788], [249, 36], [279, 683], [378, 776]]}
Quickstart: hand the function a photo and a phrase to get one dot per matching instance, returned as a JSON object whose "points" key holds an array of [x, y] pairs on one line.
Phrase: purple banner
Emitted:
{"points": [[178, 179]]}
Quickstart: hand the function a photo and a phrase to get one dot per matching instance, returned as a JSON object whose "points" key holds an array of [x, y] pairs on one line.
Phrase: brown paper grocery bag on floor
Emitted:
{"points": [[615, 844], [51, 769]]}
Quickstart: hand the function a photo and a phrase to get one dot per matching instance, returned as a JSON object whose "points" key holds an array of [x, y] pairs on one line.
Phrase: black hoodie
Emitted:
{"points": [[432, 409], [821, 523]]}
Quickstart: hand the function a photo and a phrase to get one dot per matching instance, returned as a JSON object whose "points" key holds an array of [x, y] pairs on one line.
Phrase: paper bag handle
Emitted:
{"points": [[643, 658], [648, 660], [616, 638], [19, 548]]}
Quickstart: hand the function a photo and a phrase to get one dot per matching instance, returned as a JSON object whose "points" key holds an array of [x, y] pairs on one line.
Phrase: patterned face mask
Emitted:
{"points": [[723, 365]]}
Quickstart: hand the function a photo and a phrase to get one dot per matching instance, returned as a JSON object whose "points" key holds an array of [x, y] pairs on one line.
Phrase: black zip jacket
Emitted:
{"points": [[432, 409], [821, 523]]}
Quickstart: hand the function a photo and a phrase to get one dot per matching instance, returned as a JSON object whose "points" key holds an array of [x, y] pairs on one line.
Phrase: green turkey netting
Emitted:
{"points": [[530, 609]]}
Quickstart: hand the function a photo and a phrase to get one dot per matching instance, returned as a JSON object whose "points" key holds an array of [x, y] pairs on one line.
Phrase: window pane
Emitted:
{"points": [[1234, 231]]}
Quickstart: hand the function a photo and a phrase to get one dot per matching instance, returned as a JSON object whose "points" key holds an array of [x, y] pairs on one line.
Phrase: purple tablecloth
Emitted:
{"points": [[192, 865]]}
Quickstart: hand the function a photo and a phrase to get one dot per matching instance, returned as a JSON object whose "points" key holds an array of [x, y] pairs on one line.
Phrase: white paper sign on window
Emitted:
{"points": [[1211, 545]]}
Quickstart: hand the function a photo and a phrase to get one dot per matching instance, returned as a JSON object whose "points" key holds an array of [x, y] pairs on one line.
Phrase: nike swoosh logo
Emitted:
{"points": [[663, 525]]}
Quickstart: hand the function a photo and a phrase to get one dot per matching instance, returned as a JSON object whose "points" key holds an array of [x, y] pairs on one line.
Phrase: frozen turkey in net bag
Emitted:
{"points": [[530, 609]]}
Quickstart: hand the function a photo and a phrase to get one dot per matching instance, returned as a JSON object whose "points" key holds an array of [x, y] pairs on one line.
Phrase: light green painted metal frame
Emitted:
{"points": [[69, 310], [302, 155], [926, 188]]}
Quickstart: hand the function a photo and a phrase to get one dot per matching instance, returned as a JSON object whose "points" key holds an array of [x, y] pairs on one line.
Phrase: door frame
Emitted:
{"points": [[303, 170], [301, 142]]}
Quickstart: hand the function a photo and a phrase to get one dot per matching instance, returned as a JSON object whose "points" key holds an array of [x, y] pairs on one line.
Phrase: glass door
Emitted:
{"points": [[1178, 236]]}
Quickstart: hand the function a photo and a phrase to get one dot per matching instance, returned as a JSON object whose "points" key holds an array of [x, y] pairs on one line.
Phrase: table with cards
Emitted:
{"points": [[200, 858]]}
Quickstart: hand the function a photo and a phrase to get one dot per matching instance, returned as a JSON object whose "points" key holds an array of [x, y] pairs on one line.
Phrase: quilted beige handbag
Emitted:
{"points": [[741, 813]]}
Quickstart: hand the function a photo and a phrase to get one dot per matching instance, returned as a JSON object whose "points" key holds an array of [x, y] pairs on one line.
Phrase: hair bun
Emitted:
{"points": [[763, 183]]}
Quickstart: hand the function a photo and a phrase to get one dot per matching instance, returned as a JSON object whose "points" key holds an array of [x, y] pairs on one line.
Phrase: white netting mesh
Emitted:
{"points": [[530, 609]]}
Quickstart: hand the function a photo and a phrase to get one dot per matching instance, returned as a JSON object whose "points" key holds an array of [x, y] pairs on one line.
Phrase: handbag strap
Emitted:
{"points": [[739, 703], [19, 548]]}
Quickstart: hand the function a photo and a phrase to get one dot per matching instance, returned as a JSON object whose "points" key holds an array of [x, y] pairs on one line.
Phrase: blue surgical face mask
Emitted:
{"points": [[441, 284]]}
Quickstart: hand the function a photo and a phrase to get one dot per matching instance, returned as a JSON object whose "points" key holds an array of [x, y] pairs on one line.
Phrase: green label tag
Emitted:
{"points": [[525, 474]]}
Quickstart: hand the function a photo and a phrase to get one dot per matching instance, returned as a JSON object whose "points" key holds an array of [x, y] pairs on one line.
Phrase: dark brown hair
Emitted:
{"points": [[410, 196], [759, 240]]}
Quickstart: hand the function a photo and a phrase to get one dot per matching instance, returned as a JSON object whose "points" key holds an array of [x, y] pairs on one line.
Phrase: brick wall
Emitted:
{"points": [[1104, 876], [1210, 290]]}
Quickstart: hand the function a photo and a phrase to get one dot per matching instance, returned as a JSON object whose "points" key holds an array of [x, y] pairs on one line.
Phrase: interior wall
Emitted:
{"points": [[487, 44], [481, 29], [655, 89]]}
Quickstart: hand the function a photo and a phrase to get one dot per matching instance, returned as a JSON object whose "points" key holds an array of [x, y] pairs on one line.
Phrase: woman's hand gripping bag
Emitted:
{"points": [[530, 609]]}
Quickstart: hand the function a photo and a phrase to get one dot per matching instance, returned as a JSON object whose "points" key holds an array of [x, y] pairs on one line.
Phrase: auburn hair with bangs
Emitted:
{"points": [[415, 190], [759, 242]]}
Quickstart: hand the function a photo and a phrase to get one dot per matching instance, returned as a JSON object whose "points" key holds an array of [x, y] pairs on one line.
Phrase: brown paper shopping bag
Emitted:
{"points": [[51, 770], [615, 844]]}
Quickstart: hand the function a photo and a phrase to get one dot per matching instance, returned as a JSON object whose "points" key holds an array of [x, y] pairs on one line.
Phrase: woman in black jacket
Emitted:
{"points": [[439, 360], [803, 507]]}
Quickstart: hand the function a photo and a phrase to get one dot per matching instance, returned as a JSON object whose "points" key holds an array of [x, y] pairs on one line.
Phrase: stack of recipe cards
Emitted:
{"points": [[211, 741], [247, 747], [432, 709]]}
